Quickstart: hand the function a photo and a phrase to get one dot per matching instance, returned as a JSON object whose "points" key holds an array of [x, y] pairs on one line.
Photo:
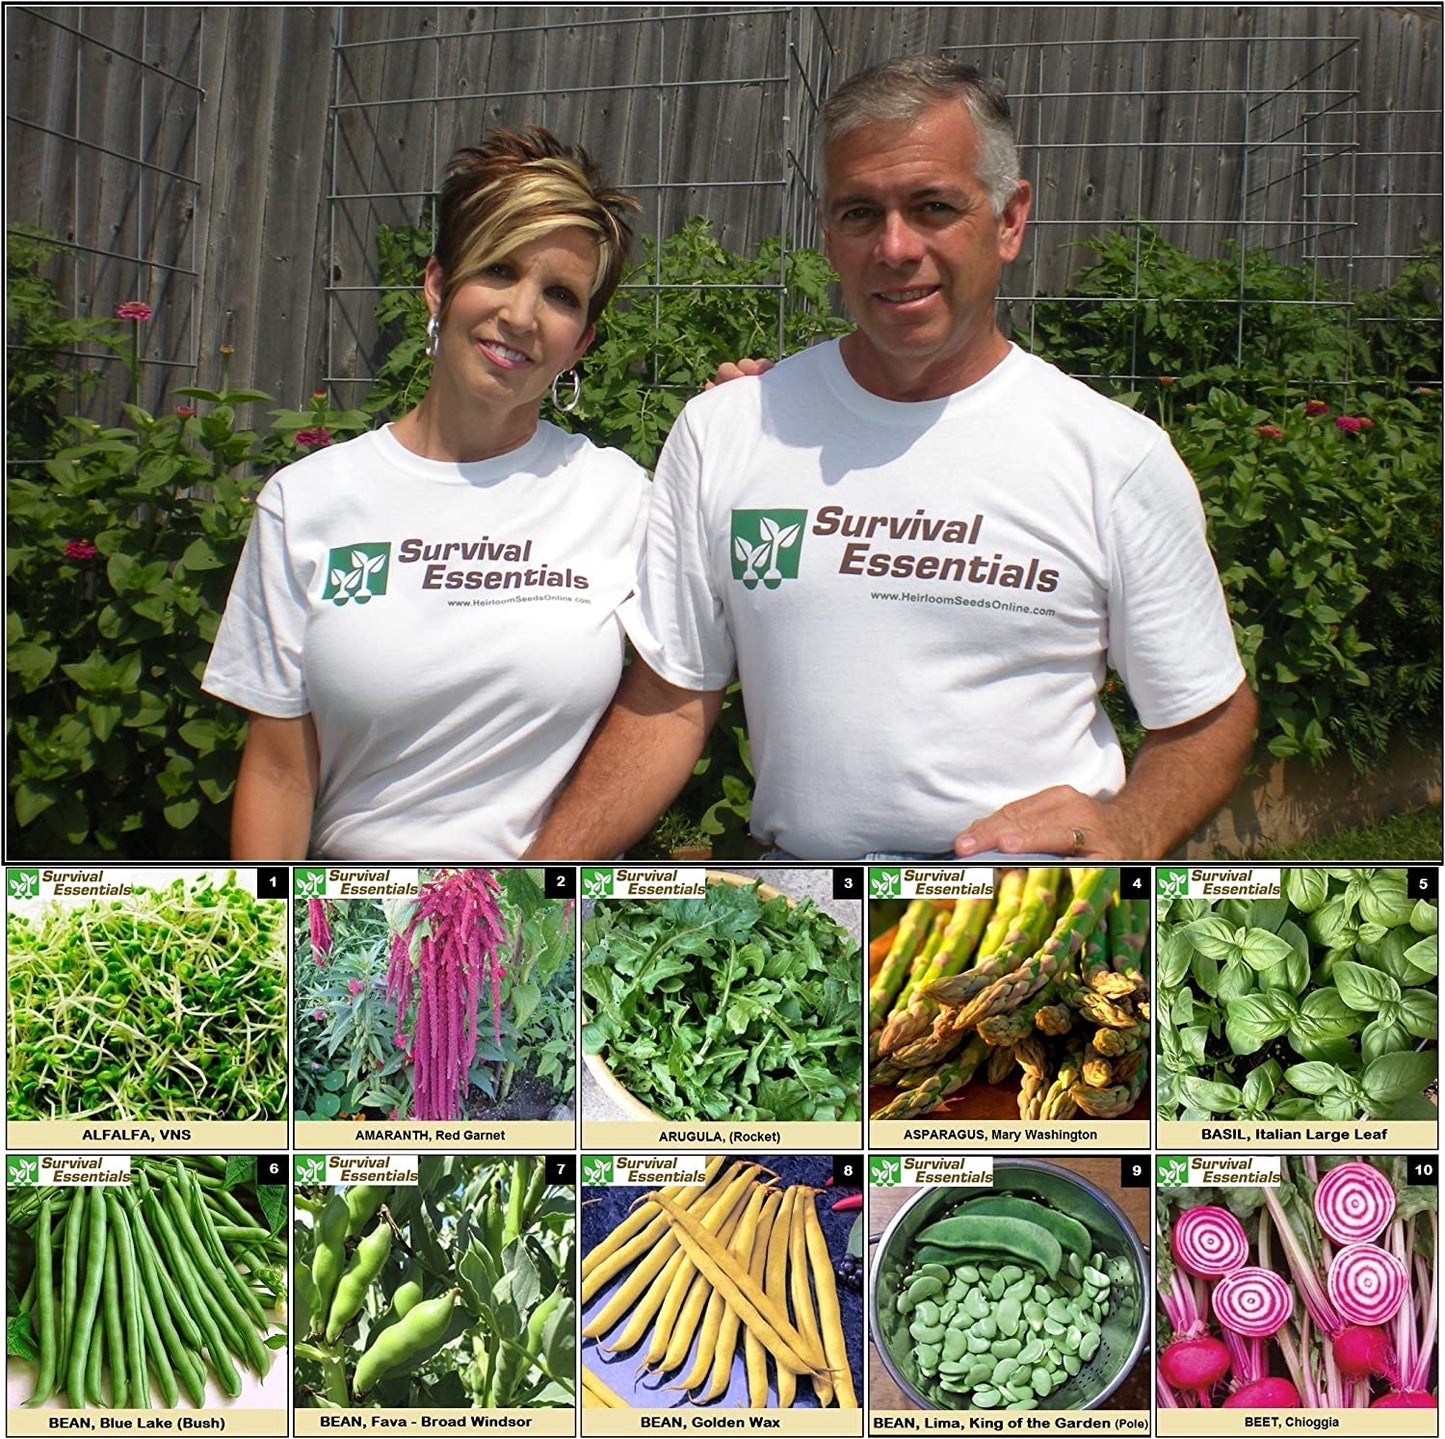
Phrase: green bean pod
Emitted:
{"points": [[44, 1305], [89, 1305], [110, 1311], [305, 1320], [130, 1308], [407, 1295], [326, 1262], [184, 1361], [174, 1253], [397, 1346], [71, 1241], [362, 1202], [368, 1261]]}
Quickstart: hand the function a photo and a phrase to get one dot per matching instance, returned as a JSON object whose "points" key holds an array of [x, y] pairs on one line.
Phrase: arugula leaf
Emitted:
{"points": [[727, 1006]]}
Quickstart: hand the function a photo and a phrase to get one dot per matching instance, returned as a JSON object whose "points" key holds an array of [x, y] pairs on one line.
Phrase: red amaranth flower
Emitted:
{"points": [[1270, 432], [355, 986], [1316, 407], [79, 550], [313, 439], [1349, 423], [133, 310]]}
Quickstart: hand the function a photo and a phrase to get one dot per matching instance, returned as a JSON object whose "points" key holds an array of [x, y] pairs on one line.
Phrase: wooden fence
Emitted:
{"points": [[229, 165]]}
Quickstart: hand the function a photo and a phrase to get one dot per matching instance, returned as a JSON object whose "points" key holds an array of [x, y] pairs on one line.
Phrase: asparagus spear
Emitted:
{"points": [[912, 931], [925, 1097], [912, 1014]]}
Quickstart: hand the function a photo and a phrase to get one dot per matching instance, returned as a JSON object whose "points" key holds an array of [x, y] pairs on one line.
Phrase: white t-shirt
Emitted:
{"points": [[920, 598], [452, 628]]}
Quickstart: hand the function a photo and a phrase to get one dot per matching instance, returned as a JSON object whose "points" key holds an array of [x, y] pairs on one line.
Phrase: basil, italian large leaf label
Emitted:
{"points": [[1397, 1076], [1363, 988]]}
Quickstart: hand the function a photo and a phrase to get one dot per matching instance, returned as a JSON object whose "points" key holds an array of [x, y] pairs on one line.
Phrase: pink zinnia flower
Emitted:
{"points": [[1349, 423], [133, 310], [313, 439], [79, 550], [355, 986], [185, 412], [1270, 432], [1316, 407]]}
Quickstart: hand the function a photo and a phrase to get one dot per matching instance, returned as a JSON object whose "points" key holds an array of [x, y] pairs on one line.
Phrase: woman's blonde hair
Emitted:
{"points": [[517, 186]]}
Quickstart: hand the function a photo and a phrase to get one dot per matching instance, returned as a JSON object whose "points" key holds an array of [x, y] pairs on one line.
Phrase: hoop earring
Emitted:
{"points": [[575, 399], [433, 336]]}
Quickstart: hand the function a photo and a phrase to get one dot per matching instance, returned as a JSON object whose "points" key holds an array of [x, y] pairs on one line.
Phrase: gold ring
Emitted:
{"points": [[1078, 835]]}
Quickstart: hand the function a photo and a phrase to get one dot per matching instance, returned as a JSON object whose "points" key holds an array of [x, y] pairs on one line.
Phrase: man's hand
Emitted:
{"points": [[1059, 821], [737, 370], [1181, 776]]}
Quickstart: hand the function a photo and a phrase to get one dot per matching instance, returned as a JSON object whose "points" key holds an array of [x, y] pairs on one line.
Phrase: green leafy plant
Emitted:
{"points": [[1318, 1004], [348, 1060], [728, 1006], [454, 1292]]}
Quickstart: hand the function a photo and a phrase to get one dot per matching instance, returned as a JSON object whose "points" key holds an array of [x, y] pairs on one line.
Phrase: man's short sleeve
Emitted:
{"points": [[676, 620], [256, 662], [1170, 636]]}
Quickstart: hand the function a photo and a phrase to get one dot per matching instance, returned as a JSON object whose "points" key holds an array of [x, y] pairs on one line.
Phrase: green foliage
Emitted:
{"points": [[1317, 1005], [121, 545], [1328, 540], [492, 1248], [347, 1060], [1177, 325], [1328, 543], [725, 1006]]}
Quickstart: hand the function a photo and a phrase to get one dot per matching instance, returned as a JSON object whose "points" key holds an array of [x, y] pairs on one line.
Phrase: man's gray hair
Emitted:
{"points": [[901, 89]]}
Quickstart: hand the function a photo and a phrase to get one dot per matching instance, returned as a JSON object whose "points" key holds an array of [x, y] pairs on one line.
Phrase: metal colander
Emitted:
{"points": [[1125, 1327]]}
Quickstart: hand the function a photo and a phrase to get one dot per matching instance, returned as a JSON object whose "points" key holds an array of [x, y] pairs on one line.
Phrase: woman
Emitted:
{"points": [[423, 624]]}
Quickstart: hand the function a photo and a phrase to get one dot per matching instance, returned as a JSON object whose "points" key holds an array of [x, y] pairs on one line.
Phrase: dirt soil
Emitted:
{"points": [[528, 1098]]}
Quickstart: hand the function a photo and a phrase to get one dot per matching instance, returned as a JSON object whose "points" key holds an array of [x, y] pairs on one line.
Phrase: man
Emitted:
{"points": [[919, 547]]}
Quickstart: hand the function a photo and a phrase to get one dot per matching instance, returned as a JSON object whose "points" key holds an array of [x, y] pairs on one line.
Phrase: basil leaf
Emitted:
{"points": [[1193, 1041], [1324, 1012], [1393, 1077], [1175, 953], [1384, 899], [1424, 956], [1420, 1014], [1260, 1084], [1425, 918], [1263, 949], [1313, 1078], [1268, 914], [1213, 937], [1306, 889], [1254, 1019], [1303, 1107], [1327, 921], [1363, 988], [1384, 1036], [1206, 1094], [1337, 1105], [1235, 979], [1336, 1050]]}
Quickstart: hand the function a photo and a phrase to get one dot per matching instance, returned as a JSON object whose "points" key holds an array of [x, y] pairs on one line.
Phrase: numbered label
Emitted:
{"points": [[848, 1170], [559, 883], [273, 882], [1423, 1169], [1423, 883], [847, 884], [1134, 883], [562, 1169], [1134, 1172], [273, 1168]]}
